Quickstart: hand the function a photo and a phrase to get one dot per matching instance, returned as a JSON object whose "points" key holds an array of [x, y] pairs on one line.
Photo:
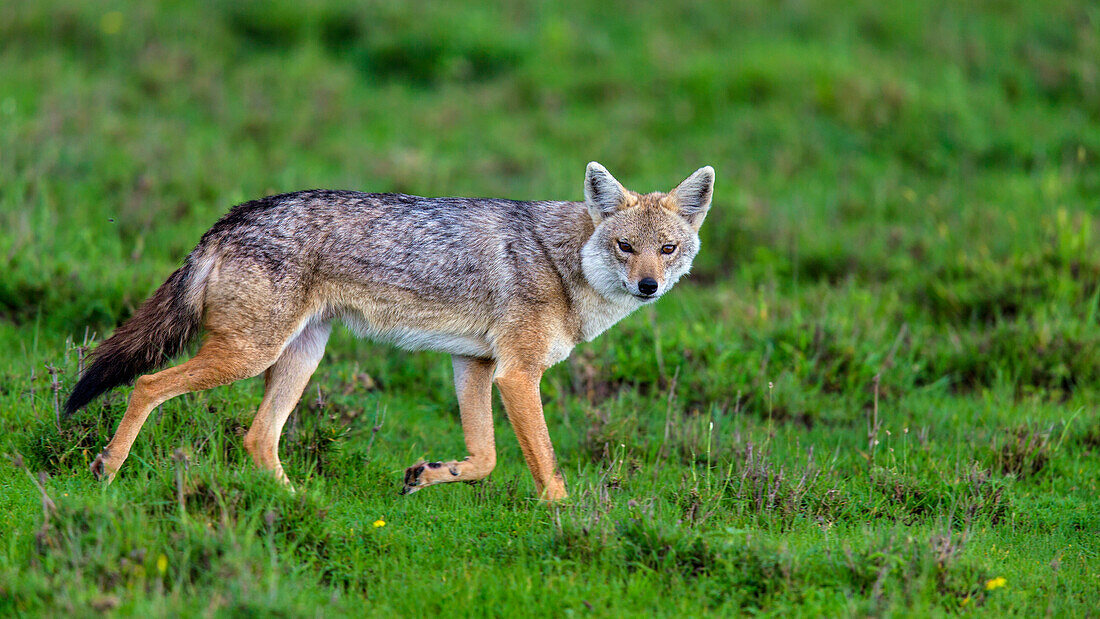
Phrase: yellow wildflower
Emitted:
{"points": [[379, 523], [162, 564], [995, 583]]}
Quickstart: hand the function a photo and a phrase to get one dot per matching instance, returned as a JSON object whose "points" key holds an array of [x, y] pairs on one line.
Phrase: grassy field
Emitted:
{"points": [[876, 395]]}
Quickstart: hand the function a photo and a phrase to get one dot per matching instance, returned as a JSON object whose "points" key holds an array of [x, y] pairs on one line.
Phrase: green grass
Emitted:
{"points": [[875, 395]]}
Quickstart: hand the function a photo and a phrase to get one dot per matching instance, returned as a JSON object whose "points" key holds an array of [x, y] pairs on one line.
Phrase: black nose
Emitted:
{"points": [[647, 285]]}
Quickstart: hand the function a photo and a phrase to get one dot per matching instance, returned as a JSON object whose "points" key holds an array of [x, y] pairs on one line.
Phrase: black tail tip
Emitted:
{"points": [[105, 373], [86, 390], [72, 405]]}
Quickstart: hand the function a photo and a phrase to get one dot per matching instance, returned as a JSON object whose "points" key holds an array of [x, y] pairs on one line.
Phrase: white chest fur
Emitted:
{"points": [[597, 313]]}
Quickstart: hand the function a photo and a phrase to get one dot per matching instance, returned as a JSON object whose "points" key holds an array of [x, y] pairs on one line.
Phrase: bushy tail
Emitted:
{"points": [[158, 331]]}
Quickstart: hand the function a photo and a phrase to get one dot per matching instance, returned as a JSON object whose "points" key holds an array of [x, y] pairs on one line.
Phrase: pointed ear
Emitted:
{"points": [[692, 197], [602, 193]]}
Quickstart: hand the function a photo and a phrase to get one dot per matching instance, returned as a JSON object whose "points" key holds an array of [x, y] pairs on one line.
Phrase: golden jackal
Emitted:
{"points": [[507, 288]]}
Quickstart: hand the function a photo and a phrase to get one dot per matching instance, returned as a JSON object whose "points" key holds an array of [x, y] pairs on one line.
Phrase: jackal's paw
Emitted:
{"points": [[423, 474], [99, 468]]}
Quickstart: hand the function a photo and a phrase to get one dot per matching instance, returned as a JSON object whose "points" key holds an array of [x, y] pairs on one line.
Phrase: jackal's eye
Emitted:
{"points": [[668, 249], [625, 247]]}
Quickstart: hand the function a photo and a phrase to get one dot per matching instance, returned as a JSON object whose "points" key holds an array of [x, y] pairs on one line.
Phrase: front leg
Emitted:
{"points": [[519, 388], [474, 386]]}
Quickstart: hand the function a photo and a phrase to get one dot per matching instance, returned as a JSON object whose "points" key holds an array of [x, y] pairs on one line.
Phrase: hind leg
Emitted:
{"points": [[221, 360], [283, 386]]}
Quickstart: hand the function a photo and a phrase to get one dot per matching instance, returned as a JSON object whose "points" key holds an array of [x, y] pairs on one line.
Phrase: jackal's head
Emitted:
{"points": [[642, 244]]}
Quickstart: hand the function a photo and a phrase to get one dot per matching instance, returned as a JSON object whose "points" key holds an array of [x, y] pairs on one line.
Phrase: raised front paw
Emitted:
{"points": [[423, 474]]}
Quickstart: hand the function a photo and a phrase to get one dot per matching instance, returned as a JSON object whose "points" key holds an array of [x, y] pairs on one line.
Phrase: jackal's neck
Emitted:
{"points": [[565, 231], [563, 228]]}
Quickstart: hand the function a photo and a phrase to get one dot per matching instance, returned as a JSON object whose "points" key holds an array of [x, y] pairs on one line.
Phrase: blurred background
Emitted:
{"points": [[942, 154], [902, 249]]}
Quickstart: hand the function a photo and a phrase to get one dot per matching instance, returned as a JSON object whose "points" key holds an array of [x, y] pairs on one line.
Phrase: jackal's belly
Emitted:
{"points": [[455, 340]]}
